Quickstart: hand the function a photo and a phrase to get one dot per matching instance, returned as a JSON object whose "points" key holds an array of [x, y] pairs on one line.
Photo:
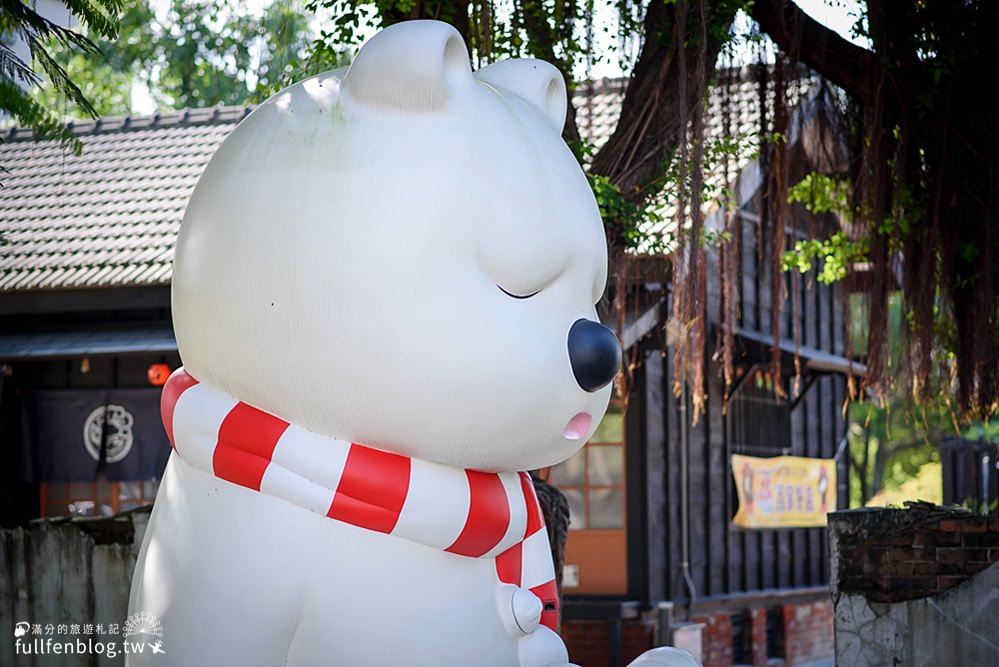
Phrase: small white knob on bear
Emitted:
{"points": [[527, 610], [665, 656]]}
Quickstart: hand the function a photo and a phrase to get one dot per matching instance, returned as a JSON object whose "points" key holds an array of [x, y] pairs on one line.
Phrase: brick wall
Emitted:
{"points": [[808, 632], [716, 639], [896, 555], [758, 636], [589, 641], [806, 629]]}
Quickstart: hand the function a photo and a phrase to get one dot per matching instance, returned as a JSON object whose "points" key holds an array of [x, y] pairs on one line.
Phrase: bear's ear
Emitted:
{"points": [[536, 81], [410, 66]]}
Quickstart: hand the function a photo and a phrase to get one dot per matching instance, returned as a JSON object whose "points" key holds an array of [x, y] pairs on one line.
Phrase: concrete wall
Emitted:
{"points": [[959, 627], [915, 588], [64, 573]]}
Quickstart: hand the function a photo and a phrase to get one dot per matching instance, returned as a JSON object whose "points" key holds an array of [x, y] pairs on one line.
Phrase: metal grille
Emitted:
{"points": [[740, 639], [775, 632], [970, 472], [759, 422]]}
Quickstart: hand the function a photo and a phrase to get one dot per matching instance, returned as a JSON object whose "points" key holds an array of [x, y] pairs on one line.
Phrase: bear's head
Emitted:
{"points": [[405, 255]]}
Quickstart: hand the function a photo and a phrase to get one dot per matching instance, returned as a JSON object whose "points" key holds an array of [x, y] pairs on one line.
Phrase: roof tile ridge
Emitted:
{"points": [[189, 117]]}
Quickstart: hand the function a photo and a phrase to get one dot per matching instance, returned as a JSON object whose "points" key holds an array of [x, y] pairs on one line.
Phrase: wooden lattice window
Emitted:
{"points": [[593, 478], [594, 482]]}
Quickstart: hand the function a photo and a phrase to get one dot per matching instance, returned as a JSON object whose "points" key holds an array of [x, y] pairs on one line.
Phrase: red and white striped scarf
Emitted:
{"points": [[465, 512]]}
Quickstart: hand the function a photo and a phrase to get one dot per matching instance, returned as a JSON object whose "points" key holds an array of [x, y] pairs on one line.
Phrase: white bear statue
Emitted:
{"points": [[383, 295]]}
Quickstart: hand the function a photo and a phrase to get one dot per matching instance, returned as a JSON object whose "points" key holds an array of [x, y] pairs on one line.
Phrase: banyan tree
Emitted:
{"points": [[917, 197]]}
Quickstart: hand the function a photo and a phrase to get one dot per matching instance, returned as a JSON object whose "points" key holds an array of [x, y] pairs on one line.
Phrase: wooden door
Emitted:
{"points": [[593, 481]]}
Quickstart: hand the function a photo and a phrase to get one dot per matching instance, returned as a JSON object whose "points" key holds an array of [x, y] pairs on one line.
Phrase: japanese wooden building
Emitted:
{"points": [[85, 307], [653, 495]]}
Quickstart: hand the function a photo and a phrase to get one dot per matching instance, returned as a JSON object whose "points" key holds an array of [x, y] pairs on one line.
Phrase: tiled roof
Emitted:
{"points": [[733, 105], [598, 105], [109, 217], [732, 112]]}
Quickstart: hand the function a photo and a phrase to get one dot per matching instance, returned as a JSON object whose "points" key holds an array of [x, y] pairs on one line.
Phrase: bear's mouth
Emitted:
{"points": [[577, 427]]}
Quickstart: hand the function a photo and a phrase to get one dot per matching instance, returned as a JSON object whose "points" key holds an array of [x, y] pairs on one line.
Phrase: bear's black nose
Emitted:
{"points": [[594, 353]]}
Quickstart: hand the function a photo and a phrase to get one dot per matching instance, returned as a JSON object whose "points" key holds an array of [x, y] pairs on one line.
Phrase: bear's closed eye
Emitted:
{"points": [[518, 296]]}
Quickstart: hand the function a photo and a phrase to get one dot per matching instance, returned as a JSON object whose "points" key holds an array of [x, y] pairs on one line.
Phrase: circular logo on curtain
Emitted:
{"points": [[115, 423]]}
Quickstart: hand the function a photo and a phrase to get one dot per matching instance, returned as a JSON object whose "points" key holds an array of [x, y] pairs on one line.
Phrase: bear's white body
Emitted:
{"points": [[273, 584], [391, 256]]}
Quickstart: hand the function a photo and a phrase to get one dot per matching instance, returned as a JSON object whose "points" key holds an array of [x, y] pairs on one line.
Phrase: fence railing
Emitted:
{"points": [[970, 472]]}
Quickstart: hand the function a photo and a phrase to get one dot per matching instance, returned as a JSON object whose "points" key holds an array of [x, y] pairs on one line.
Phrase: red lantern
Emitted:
{"points": [[158, 374]]}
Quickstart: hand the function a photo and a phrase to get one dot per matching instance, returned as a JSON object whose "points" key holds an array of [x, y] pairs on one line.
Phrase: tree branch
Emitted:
{"points": [[808, 41], [648, 128]]}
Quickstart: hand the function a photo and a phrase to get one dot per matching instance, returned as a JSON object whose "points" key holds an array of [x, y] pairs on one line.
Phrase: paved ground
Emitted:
{"points": [[823, 662]]}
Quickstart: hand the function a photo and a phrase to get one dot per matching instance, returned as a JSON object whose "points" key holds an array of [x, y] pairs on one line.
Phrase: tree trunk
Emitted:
{"points": [[648, 130]]}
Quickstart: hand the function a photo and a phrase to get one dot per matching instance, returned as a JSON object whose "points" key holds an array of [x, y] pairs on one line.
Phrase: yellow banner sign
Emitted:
{"points": [[784, 491]]}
